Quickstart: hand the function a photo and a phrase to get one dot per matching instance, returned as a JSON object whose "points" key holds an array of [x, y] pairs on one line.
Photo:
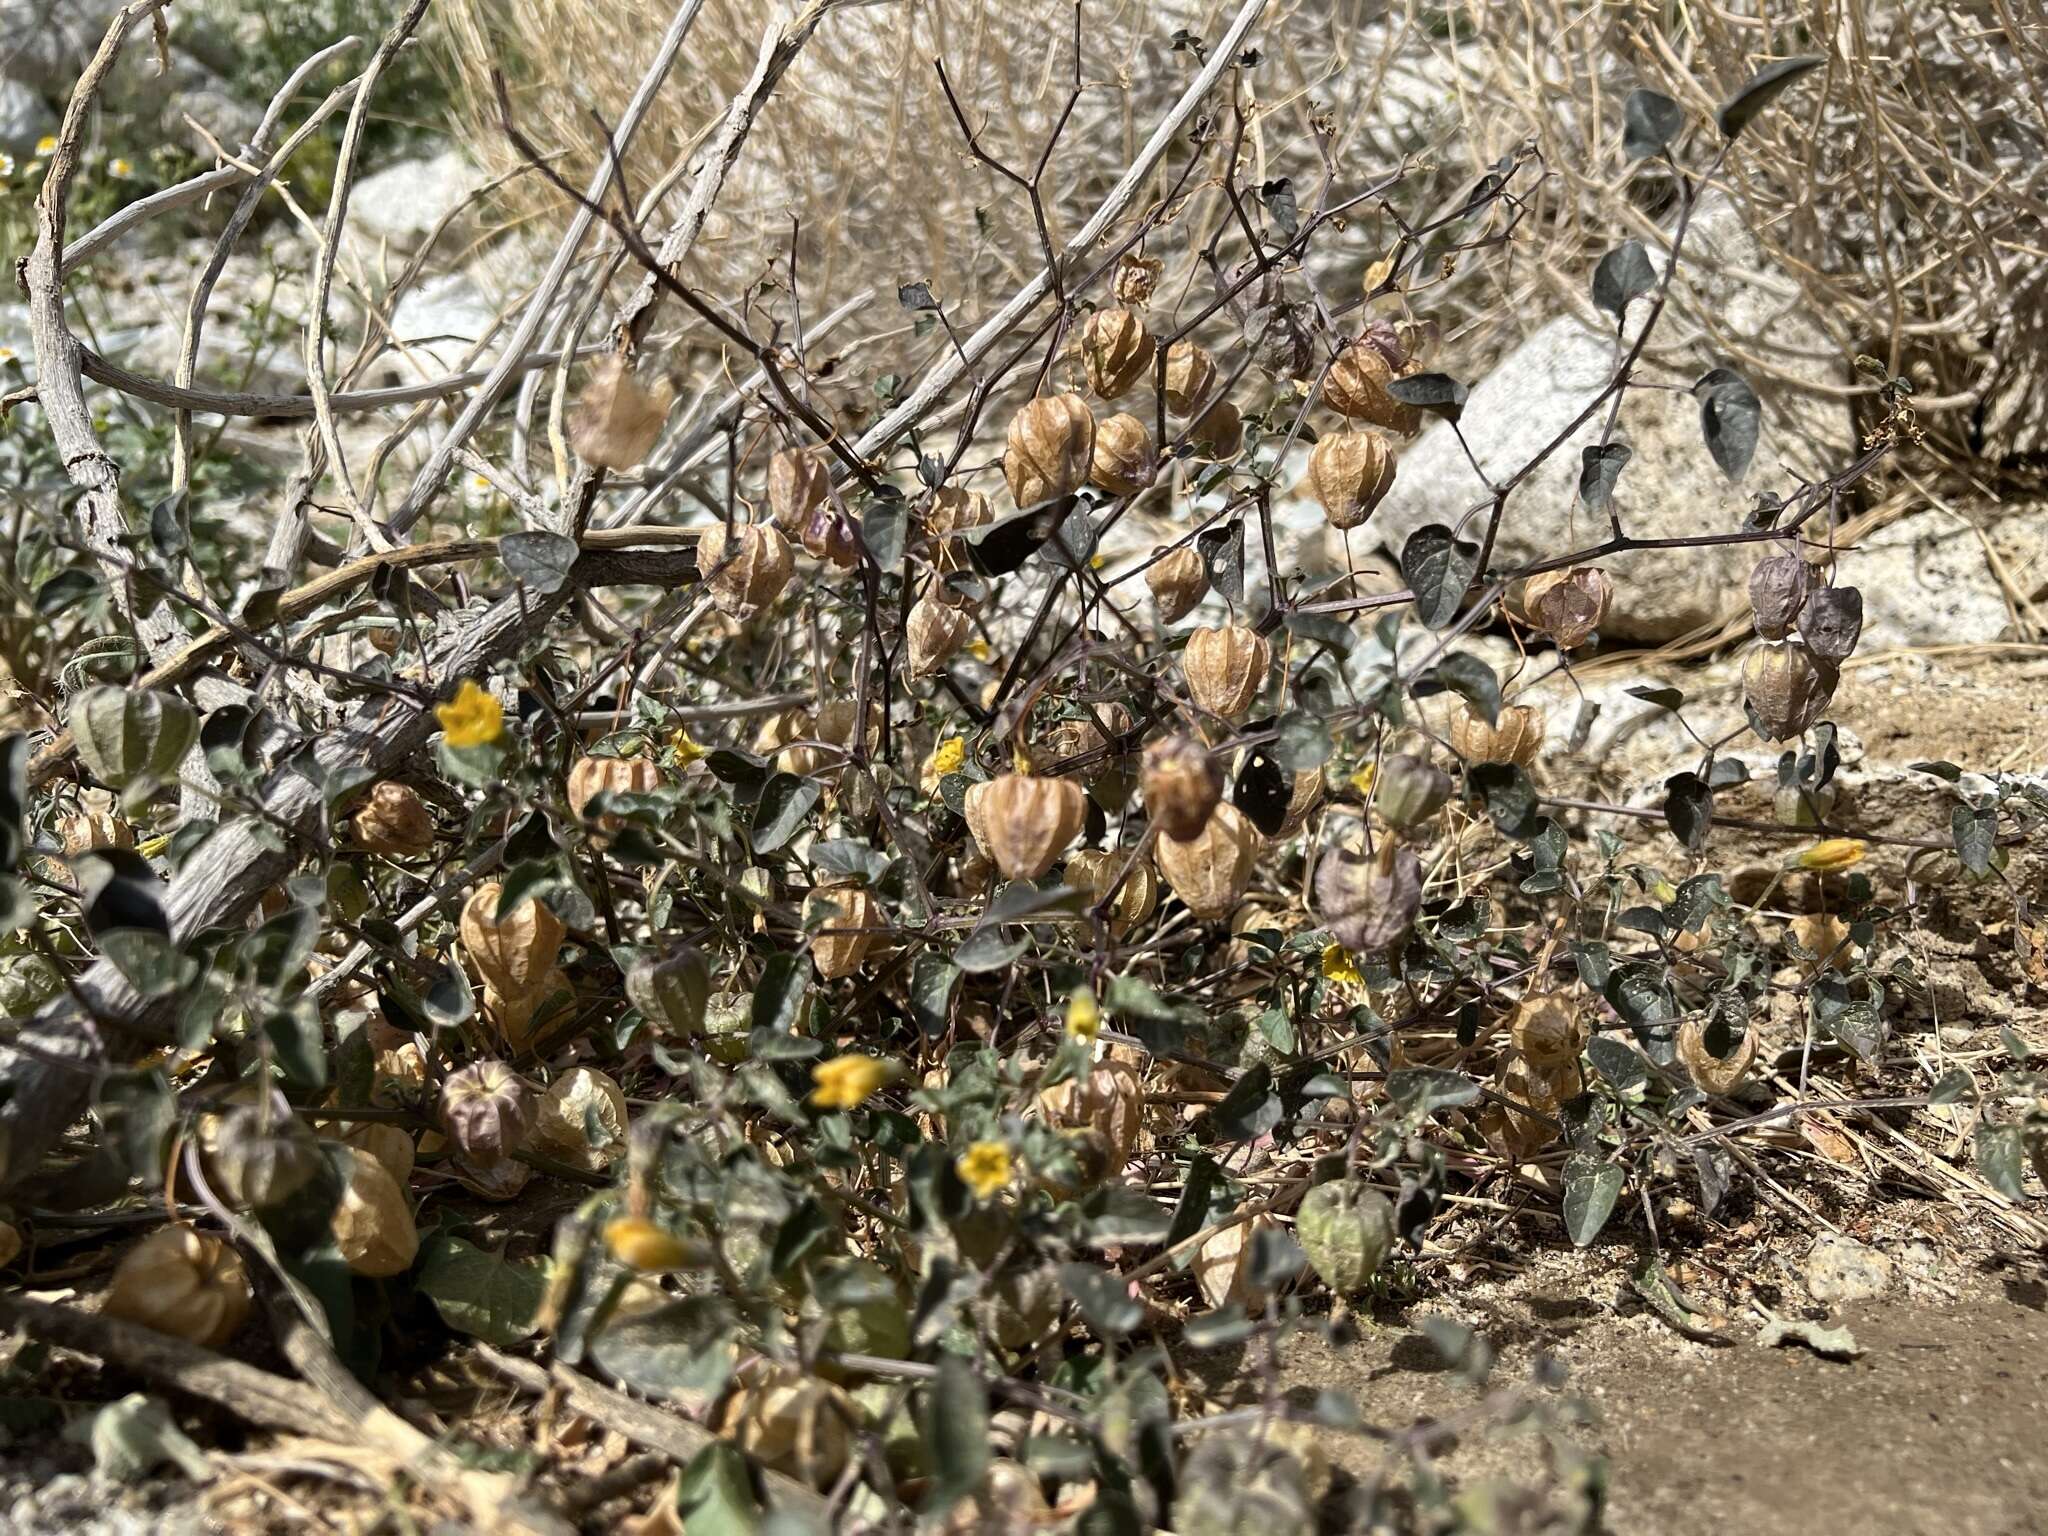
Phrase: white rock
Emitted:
{"points": [[1839, 1270], [402, 203], [437, 325], [1671, 486], [1929, 579]]}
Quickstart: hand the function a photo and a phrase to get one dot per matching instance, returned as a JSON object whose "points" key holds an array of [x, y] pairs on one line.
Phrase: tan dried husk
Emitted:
{"points": [[1822, 935], [1091, 871], [1350, 473], [1786, 688], [1223, 1261], [487, 1110], [1049, 449], [1516, 738], [953, 509], [617, 419], [1179, 580], [1210, 871], [1135, 278], [1710, 1073], [1124, 462], [513, 952], [1549, 1029], [1190, 376], [1028, 822], [94, 823], [372, 1225], [838, 948], [1226, 668], [1518, 1136], [746, 571], [1356, 388], [1109, 1101], [394, 821], [935, 632], [1116, 351], [1778, 587], [1568, 605], [792, 1423], [591, 776], [799, 482], [1302, 800], [184, 1283], [1182, 785], [574, 1102], [391, 1145]]}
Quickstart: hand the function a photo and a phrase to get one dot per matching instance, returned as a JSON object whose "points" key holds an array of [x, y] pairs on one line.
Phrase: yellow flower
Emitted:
{"points": [[948, 756], [1340, 968], [1084, 1015], [847, 1081], [984, 1167], [1361, 781], [686, 748], [979, 649], [472, 718], [47, 144], [1832, 855], [120, 168], [6, 166], [639, 1244]]}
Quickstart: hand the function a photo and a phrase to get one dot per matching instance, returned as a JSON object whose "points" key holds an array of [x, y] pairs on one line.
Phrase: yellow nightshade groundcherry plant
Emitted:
{"points": [[819, 911]]}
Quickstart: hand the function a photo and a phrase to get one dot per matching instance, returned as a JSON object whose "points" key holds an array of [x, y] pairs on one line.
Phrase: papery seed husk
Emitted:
{"points": [[1786, 688], [1407, 790], [1710, 1073], [1049, 450], [1123, 463], [184, 1283], [1179, 580], [1548, 1029], [1350, 473], [1116, 351], [1226, 668], [1778, 587], [934, 632], [1368, 904], [1832, 622], [840, 944], [799, 482], [1190, 376], [1030, 822], [747, 570], [617, 420], [1516, 737], [1182, 786], [1356, 387], [1210, 871], [1568, 605]]}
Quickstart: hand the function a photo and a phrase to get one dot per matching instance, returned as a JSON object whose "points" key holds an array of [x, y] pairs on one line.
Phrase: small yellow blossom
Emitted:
{"points": [[47, 144], [1832, 855], [7, 354], [686, 748], [1084, 1015], [639, 1244], [1361, 781], [845, 1082], [473, 718], [6, 166], [979, 649], [1340, 968], [984, 1167], [120, 169], [948, 756]]}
